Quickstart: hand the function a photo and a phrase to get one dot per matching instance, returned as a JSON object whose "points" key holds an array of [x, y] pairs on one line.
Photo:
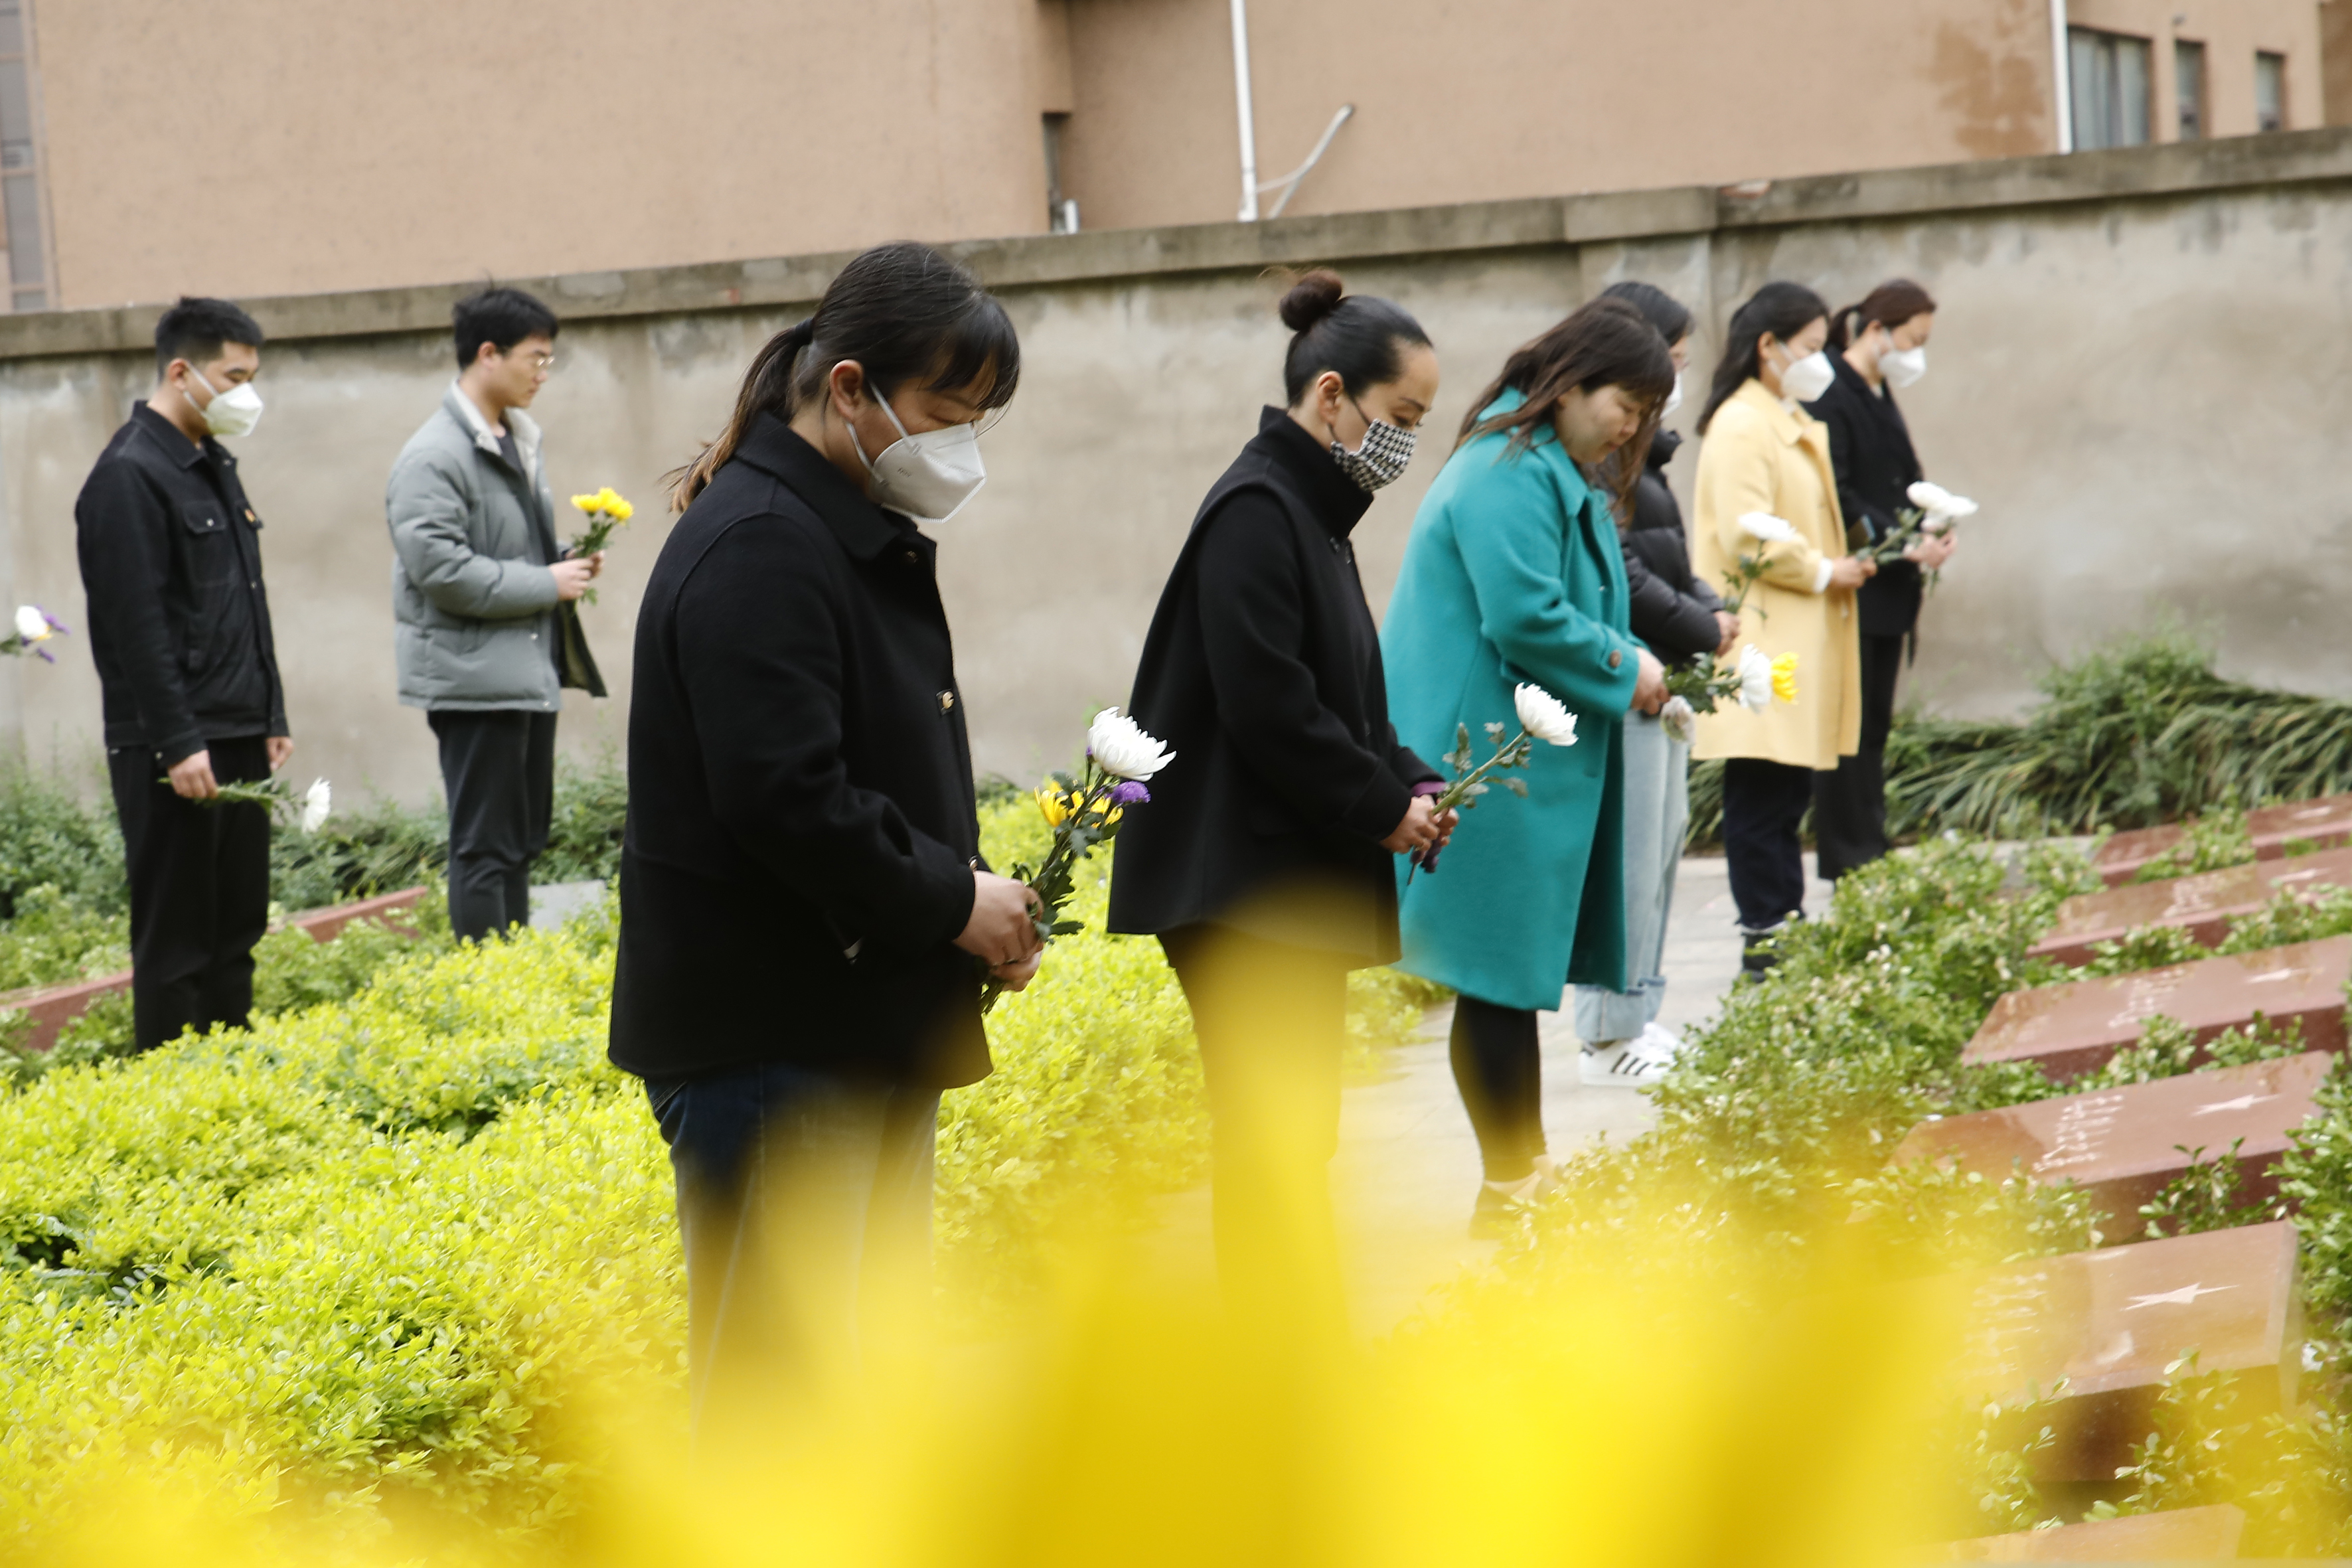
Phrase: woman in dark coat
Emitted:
{"points": [[806, 922], [1877, 348], [1678, 616], [1265, 863]]}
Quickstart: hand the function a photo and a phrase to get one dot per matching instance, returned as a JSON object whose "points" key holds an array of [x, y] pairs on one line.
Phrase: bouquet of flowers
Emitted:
{"points": [[307, 810], [1701, 685], [1085, 810], [1541, 716], [34, 625], [1932, 511], [605, 511]]}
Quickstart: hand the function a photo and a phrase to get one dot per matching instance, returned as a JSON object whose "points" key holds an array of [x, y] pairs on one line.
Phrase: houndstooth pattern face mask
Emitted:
{"points": [[1382, 456]]}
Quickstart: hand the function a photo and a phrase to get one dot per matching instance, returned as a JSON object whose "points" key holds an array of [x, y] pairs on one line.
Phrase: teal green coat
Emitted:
{"points": [[1514, 574]]}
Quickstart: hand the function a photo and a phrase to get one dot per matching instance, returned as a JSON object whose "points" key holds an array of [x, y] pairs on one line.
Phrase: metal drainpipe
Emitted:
{"points": [[1242, 100], [2060, 77]]}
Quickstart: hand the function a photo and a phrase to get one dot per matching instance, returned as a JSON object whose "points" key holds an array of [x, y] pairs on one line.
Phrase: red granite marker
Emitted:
{"points": [[2123, 1144], [2203, 905], [2072, 1028], [2108, 1322], [2323, 824], [2209, 1534]]}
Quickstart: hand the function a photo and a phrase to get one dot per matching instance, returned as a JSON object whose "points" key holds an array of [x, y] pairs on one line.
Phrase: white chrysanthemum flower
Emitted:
{"points": [[1941, 507], [1120, 747], [32, 625], [1766, 529], [317, 802], [1755, 680], [1542, 716], [1680, 720]]}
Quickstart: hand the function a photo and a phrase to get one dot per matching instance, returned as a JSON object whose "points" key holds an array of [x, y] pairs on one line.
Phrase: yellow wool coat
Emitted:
{"points": [[1761, 456]]}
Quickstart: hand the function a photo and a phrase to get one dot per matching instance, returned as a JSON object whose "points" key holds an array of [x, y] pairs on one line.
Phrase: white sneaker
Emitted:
{"points": [[1628, 1064], [1659, 1042]]}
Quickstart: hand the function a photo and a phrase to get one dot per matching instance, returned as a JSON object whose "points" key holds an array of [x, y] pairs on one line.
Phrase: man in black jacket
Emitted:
{"points": [[179, 627]]}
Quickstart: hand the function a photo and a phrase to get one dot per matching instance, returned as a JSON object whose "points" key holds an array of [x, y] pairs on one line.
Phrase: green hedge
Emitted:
{"points": [[2138, 734]]}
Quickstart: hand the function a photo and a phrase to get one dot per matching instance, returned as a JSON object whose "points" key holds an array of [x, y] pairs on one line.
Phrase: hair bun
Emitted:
{"points": [[1312, 298]]}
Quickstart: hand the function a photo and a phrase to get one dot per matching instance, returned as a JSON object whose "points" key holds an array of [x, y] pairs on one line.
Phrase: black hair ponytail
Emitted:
{"points": [[1360, 337]]}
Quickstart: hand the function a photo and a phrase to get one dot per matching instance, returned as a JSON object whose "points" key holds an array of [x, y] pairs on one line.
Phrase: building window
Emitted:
{"points": [[20, 164], [2270, 91], [2107, 73], [1061, 210], [2189, 87]]}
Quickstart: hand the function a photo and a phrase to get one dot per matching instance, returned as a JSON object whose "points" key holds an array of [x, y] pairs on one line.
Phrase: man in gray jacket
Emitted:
{"points": [[489, 630]]}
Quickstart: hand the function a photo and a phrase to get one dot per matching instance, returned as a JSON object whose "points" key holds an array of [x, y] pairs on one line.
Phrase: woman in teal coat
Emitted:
{"points": [[1514, 575]]}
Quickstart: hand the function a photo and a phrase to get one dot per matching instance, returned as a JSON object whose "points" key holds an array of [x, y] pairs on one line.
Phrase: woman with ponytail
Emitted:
{"points": [[805, 921], [1767, 496], [1263, 864], [1877, 348]]}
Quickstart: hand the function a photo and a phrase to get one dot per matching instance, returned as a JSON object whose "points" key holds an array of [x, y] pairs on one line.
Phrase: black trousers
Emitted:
{"points": [[499, 771], [1498, 1067], [199, 890], [1271, 1019], [1850, 805], [1763, 807]]}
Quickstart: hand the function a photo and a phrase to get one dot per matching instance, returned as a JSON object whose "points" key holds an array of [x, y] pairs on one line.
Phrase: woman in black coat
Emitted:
{"points": [[1679, 617], [1883, 344], [1265, 862], [806, 922]]}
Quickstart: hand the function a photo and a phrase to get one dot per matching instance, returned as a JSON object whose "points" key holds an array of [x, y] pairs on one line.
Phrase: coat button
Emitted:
{"points": [[913, 559], [947, 701], [1616, 657]]}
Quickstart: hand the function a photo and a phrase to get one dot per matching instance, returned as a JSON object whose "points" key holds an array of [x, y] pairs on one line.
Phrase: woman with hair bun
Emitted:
{"points": [[1265, 863]]}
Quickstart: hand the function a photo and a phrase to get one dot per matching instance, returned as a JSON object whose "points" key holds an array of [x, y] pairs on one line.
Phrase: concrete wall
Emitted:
{"points": [[2136, 369]]}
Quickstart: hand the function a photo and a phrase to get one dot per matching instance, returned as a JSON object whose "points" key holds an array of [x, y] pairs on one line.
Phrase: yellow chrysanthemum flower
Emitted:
{"points": [[1784, 678], [1054, 806], [585, 503]]}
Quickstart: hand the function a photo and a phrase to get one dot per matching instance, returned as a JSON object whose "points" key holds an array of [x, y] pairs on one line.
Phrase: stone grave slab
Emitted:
{"points": [[2123, 1144], [2074, 1027], [2323, 824], [2203, 905], [2108, 1322], [2187, 1534]]}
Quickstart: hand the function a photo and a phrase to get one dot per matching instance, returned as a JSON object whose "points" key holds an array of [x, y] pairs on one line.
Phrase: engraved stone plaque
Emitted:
{"points": [[2108, 1322], [2123, 1144], [2323, 824], [2075, 1027], [2203, 905], [2185, 1534]]}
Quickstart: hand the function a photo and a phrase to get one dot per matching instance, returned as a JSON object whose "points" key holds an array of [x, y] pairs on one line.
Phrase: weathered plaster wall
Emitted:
{"points": [[2136, 369]]}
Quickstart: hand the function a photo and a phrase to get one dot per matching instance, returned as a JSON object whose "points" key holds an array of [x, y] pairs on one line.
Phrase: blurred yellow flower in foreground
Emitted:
{"points": [[1784, 678], [609, 502], [1055, 805]]}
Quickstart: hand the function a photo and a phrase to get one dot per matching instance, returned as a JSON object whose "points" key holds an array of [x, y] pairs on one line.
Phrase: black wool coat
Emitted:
{"points": [[1869, 448], [179, 619], [802, 832], [1671, 609], [1261, 671]]}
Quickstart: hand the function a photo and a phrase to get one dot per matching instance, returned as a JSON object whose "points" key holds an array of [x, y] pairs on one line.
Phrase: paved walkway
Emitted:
{"points": [[1408, 1171], [1408, 1166]]}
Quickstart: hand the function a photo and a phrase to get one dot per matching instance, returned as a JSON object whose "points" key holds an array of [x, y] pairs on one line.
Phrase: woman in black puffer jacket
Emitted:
{"points": [[1680, 617]]}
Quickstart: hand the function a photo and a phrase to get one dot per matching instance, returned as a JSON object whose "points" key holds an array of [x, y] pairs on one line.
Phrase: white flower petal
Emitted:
{"points": [[1542, 715], [1679, 719], [1766, 528], [1755, 680], [31, 624], [317, 802], [1120, 747]]}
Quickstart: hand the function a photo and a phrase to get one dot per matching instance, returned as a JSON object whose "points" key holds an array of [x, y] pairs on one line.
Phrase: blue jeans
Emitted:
{"points": [[804, 1203], [1657, 815]]}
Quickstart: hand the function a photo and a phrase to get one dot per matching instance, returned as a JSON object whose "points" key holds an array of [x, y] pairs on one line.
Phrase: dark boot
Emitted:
{"points": [[1758, 953]]}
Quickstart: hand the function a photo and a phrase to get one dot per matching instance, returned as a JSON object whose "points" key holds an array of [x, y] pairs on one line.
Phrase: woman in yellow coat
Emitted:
{"points": [[1768, 503]]}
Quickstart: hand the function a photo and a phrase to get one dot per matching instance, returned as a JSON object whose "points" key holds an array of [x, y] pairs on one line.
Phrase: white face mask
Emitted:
{"points": [[1674, 398], [927, 477], [1803, 380], [232, 413], [1901, 367]]}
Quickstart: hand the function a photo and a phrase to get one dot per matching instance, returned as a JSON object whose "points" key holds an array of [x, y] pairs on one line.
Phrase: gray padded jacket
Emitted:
{"points": [[471, 541]]}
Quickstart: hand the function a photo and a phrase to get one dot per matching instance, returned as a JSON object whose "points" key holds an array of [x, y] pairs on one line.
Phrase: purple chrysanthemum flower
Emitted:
{"points": [[1130, 792]]}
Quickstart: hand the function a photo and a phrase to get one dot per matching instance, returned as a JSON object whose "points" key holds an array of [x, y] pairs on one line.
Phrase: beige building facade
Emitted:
{"points": [[272, 147]]}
